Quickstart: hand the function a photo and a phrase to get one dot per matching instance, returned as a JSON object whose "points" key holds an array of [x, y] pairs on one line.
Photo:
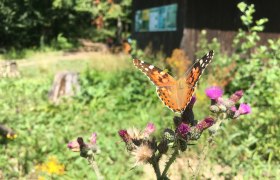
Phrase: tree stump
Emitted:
{"points": [[89, 46], [65, 85], [9, 69]]}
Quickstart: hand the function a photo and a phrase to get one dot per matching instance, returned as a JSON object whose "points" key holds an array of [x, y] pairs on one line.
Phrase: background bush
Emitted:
{"points": [[33, 23], [254, 141]]}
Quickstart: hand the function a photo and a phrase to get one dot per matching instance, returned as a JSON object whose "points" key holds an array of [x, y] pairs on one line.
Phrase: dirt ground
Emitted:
{"points": [[186, 166]]}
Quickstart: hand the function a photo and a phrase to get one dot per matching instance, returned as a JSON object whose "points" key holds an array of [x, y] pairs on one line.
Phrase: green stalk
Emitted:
{"points": [[168, 164], [95, 168], [154, 162]]}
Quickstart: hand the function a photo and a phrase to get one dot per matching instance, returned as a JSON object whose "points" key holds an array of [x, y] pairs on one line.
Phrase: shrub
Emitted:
{"points": [[256, 71]]}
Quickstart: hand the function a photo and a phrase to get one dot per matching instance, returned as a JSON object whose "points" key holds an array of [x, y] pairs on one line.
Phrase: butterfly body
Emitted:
{"points": [[175, 94]]}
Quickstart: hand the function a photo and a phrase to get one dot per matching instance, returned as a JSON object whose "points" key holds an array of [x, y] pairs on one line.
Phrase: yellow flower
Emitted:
{"points": [[11, 136], [52, 167]]}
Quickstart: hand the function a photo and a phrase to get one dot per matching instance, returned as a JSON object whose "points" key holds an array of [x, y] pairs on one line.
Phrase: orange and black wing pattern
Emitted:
{"points": [[197, 69], [155, 74]]}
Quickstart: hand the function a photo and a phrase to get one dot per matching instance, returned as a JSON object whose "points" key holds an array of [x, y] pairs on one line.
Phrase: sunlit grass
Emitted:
{"points": [[119, 97]]}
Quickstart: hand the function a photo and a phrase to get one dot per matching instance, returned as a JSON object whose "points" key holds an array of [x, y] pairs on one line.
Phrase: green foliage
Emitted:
{"points": [[62, 42], [29, 23], [109, 101], [254, 142]]}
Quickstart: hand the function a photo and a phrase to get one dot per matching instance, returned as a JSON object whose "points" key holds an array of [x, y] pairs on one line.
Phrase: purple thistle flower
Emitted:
{"points": [[236, 96], [81, 142], [183, 129], [150, 128], [74, 146], [244, 108], [93, 138], [214, 92], [124, 135], [204, 124], [233, 109]]}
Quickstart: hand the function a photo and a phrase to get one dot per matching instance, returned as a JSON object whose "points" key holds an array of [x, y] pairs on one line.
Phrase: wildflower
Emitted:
{"points": [[169, 135], [204, 124], [11, 136], [244, 108], [74, 146], [93, 138], [233, 109], [143, 153], [224, 103], [85, 149], [214, 108], [183, 129], [52, 166], [134, 133], [81, 142], [236, 96], [124, 135], [214, 92], [150, 128]]}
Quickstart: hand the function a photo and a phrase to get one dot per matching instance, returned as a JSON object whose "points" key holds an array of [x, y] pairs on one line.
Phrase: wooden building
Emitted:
{"points": [[221, 19]]}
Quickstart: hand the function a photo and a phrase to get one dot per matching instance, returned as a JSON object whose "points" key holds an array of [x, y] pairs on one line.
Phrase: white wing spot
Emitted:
{"points": [[142, 62], [151, 67], [201, 61], [146, 69]]}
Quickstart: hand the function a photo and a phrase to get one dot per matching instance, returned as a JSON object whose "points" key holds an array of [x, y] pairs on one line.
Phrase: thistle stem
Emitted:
{"points": [[95, 168], [207, 146], [168, 164], [155, 165]]}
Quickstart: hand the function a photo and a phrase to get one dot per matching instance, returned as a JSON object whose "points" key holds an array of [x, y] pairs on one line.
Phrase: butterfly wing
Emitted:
{"points": [[165, 83], [175, 94], [186, 85], [168, 95], [155, 74], [197, 69]]}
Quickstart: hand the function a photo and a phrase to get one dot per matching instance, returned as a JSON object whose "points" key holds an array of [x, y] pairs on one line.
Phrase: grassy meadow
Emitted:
{"points": [[114, 95]]}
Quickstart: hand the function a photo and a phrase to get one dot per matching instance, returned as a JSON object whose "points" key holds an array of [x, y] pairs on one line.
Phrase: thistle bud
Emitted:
{"points": [[204, 124], [150, 128], [177, 121], [163, 146], [214, 108], [236, 96], [182, 144], [74, 146], [222, 108], [192, 101], [183, 129], [124, 135], [169, 135]]}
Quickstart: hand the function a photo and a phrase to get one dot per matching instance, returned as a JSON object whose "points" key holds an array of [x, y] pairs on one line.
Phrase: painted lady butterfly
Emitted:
{"points": [[175, 94]]}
